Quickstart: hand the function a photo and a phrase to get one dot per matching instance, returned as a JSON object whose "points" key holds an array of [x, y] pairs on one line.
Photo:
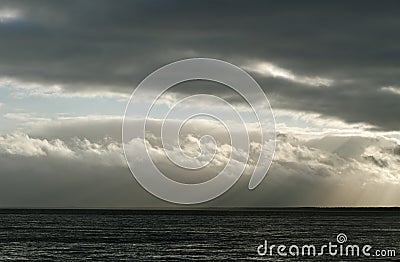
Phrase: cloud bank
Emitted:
{"points": [[80, 172]]}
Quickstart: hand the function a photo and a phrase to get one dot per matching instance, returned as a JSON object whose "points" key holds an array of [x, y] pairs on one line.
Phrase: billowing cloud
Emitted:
{"points": [[106, 152], [81, 171]]}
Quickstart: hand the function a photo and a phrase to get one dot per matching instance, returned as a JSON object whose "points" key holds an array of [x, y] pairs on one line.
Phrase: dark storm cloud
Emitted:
{"points": [[105, 45], [351, 102]]}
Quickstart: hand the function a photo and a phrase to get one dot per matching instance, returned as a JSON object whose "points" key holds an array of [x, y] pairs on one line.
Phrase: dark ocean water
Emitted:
{"points": [[102, 235]]}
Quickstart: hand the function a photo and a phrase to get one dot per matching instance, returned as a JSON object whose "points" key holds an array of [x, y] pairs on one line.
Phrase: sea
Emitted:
{"points": [[199, 235]]}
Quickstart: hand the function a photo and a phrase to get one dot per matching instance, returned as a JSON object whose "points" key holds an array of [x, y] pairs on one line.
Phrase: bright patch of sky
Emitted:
{"points": [[52, 107], [7, 15]]}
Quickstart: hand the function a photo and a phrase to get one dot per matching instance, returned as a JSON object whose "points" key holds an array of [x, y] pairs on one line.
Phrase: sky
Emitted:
{"points": [[331, 72]]}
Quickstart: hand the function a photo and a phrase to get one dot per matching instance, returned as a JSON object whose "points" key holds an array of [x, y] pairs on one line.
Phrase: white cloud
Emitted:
{"points": [[371, 157], [22, 144], [310, 124], [106, 152], [32, 89], [391, 89], [271, 70], [339, 155], [316, 170], [18, 116], [7, 15]]}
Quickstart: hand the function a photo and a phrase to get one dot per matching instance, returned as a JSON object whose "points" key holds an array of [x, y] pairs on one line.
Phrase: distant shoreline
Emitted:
{"points": [[5, 210]]}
